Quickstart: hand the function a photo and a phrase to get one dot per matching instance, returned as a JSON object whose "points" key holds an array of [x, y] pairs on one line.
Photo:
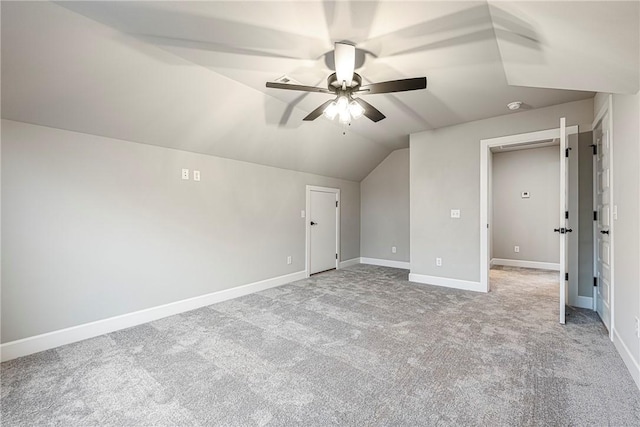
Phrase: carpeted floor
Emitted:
{"points": [[360, 346]]}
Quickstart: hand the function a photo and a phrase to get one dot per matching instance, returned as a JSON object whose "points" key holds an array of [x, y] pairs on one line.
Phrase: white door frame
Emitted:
{"points": [[606, 108], [307, 257], [485, 152]]}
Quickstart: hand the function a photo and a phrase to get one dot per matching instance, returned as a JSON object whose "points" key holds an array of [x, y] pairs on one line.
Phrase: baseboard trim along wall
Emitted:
{"points": [[349, 262], [446, 282], [583, 302], [386, 263], [623, 350], [526, 264], [35, 344]]}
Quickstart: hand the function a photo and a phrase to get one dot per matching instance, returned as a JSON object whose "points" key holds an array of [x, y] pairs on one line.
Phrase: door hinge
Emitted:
{"points": [[566, 214], [336, 256], [336, 203], [595, 281], [566, 276], [594, 149], [595, 215]]}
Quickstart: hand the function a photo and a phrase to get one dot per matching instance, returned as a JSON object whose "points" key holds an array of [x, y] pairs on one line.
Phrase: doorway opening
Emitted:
{"points": [[322, 229], [559, 138]]}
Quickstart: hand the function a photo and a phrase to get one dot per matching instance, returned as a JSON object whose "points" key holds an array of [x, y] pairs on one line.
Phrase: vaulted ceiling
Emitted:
{"points": [[191, 75]]}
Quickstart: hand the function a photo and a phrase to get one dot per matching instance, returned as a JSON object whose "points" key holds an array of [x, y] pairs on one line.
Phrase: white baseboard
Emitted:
{"points": [[627, 357], [385, 263], [349, 262], [582, 302], [30, 345], [447, 282], [526, 264]]}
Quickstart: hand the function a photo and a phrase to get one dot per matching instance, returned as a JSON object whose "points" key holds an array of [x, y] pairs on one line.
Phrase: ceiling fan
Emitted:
{"points": [[345, 83]]}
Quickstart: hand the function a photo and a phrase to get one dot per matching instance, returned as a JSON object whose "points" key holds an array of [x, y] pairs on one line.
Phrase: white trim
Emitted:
{"points": [[526, 264], [612, 224], [37, 343], [350, 262], [307, 255], [485, 152], [386, 263], [627, 357], [606, 110], [583, 302], [446, 282]]}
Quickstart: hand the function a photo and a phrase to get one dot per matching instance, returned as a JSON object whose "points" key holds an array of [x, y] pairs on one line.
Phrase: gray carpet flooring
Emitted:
{"points": [[360, 346]]}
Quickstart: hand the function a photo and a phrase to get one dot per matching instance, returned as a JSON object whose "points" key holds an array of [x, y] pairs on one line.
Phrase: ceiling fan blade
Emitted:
{"points": [[317, 112], [303, 88], [370, 111], [345, 60], [395, 86]]}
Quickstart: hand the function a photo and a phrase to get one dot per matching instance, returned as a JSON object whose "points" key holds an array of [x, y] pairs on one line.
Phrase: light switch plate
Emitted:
{"points": [[196, 175], [302, 215]]}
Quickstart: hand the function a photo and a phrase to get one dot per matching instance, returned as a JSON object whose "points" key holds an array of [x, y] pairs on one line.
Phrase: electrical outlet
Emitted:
{"points": [[455, 213], [393, 249], [516, 249], [438, 262], [185, 173], [196, 175], [289, 259]]}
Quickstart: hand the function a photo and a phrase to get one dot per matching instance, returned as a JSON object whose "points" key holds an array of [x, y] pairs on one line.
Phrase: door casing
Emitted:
{"points": [[485, 156]]}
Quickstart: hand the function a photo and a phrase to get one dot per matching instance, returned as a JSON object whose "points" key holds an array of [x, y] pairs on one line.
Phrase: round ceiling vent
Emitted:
{"points": [[515, 105]]}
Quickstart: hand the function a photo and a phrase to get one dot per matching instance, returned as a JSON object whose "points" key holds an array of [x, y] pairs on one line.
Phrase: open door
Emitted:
{"points": [[562, 227]]}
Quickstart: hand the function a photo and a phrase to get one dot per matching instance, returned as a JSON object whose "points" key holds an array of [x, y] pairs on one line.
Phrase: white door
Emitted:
{"points": [[562, 228], [602, 199], [323, 254]]}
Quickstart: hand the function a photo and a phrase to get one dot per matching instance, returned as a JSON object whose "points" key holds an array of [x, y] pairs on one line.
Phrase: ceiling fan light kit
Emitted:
{"points": [[345, 83]]}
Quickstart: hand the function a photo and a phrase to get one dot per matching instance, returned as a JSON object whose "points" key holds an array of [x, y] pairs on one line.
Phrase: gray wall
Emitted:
{"points": [[444, 175], [94, 227], [527, 223], [384, 198]]}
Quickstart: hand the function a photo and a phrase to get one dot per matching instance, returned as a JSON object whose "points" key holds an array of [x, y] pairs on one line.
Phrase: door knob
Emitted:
{"points": [[569, 230], [556, 230], [314, 223], [604, 231]]}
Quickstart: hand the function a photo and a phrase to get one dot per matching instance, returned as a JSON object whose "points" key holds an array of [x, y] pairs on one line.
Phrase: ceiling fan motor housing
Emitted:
{"points": [[335, 86]]}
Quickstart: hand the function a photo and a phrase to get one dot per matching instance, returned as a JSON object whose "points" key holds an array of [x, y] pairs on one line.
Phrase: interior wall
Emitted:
{"points": [[444, 175], [384, 198], [94, 227], [526, 222], [626, 228]]}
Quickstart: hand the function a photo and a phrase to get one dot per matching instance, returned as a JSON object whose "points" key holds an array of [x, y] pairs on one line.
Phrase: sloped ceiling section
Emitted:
{"points": [[191, 75], [580, 45], [63, 70]]}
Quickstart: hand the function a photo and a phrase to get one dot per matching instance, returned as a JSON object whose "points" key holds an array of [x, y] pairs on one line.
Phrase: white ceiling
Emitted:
{"points": [[191, 75]]}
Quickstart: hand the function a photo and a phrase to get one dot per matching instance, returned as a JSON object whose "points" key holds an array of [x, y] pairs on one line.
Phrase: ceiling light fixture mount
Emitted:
{"points": [[515, 105]]}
